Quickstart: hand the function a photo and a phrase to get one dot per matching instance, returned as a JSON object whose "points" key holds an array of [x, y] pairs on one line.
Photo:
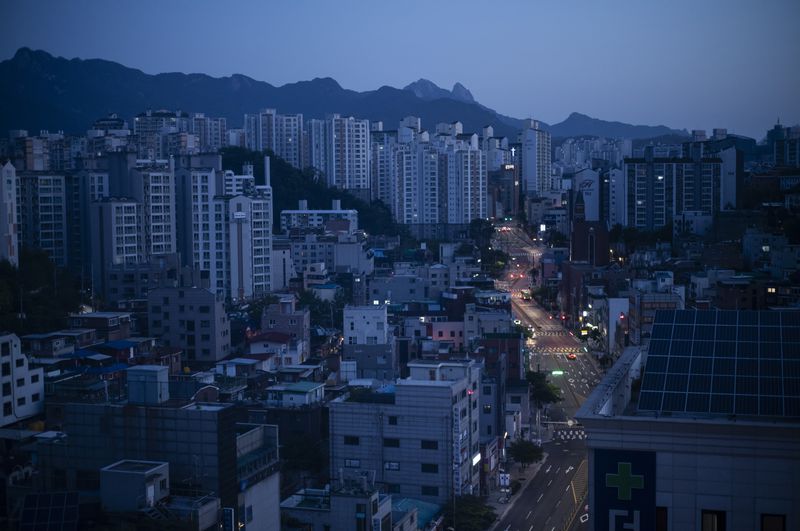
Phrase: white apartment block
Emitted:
{"points": [[348, 153], [304, 218], [238, 184], [42, 213], [384, 168], [289, 138], [250, 237], [116, 235], [212, 133], [366, 325], [9, 230], [21, 387], [466, 185], [153, 185], [535, 159], [318, 145]]}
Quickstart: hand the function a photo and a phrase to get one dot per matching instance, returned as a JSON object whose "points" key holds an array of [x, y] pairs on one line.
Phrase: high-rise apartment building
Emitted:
{"points": [[212, 133], [348, 154], [318, 146], [9, 230], [42, 211], [535, 159], [466, 185], [153, 185], [289, 138], [250, 237], [116, 233], [658, 189]]}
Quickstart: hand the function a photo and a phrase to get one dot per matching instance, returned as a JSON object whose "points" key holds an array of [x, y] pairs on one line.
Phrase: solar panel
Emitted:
{"points": [[723, 362], [56, 511]]}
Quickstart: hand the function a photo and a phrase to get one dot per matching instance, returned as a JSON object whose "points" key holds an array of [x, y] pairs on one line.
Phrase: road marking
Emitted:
{"points": [[540, 497], [567, 489], [557, 469], [558, 503], [548, 469], [528, 515], [531, 529], [549, 482]]}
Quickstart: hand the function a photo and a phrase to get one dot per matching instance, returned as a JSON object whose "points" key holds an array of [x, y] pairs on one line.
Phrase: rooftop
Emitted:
{"points": [[134, 466]]}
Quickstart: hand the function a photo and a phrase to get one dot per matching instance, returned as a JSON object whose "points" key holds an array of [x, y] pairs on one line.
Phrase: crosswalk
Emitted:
{"points": [[552, 333], [569, 434], [554, 350]]}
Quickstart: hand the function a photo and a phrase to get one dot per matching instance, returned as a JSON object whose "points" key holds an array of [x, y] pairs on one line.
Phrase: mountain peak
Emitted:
{"points": [[461, 93], [427, 90]]}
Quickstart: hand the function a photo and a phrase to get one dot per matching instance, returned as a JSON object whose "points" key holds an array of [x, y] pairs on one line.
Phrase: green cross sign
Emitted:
{"points": [[624, 481]]}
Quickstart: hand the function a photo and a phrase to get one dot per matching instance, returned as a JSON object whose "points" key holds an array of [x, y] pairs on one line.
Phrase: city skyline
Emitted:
{"points": [[673, 87]]}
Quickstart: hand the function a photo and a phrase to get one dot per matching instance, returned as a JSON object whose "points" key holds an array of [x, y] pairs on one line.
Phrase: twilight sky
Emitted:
{"points": [[682, 63]]}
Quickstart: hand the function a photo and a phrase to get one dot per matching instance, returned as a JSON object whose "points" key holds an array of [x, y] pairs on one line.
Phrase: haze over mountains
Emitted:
{"points": [[40, 91]]}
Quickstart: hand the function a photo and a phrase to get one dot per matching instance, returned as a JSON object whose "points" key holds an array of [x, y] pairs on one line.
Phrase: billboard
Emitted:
{"points": [[624, 490]]}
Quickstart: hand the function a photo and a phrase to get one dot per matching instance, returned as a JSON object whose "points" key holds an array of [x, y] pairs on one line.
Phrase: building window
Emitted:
{"points": [[773, 522], [430, 491], [21, 401], [19, 362], [6, 371], [7, 389], [487, 390], [394, 488], [429, 445], [7, 409], [20, 382], [35, 397], [487, 408], [662, 519], [391, 465], [712, 520], [34, 378], [391, 443], [352, 463], [393, 421], [429, 468], [351, 440], [5, 349]]}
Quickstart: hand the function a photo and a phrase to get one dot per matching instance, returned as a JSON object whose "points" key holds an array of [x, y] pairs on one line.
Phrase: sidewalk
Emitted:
{"points": [[516, 474]]}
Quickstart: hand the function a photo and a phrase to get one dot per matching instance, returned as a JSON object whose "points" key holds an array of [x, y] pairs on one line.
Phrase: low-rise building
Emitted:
{"points": [[21, 386]]}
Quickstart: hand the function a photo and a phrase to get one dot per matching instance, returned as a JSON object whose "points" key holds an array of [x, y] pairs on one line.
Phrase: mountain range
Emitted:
{"points": [[40, 91]]}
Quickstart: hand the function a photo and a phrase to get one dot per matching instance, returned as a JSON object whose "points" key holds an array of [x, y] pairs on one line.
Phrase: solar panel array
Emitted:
{"points": [[723, 362], [56, 511]]}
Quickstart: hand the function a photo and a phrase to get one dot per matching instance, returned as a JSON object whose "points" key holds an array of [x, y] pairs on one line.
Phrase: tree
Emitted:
{"points": [[541, 390], [289, 185], [481, 232], [557, 239], [471, 514], [524, 452]]}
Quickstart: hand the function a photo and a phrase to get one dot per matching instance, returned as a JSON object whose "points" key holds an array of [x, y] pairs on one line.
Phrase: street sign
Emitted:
{"points": [[505, 479]]}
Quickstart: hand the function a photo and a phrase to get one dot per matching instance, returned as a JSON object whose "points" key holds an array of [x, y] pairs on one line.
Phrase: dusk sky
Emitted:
{"points": [[684, 64]]}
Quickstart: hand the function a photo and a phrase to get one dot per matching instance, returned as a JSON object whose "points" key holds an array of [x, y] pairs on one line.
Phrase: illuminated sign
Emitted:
{"points": [[239, 215], [557, 373], [508, 166], [476, 459], [625, 490]]}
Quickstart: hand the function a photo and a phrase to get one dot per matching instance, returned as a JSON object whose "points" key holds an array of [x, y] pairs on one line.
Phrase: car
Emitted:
{"points": [[517, 322], [572, 356]]}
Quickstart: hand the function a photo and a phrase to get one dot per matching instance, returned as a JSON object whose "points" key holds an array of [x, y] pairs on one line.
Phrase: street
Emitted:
{"points": [[555, 500]]}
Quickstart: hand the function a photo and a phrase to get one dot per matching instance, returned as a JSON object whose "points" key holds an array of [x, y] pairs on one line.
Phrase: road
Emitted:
{"points": [[555, 499]]}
